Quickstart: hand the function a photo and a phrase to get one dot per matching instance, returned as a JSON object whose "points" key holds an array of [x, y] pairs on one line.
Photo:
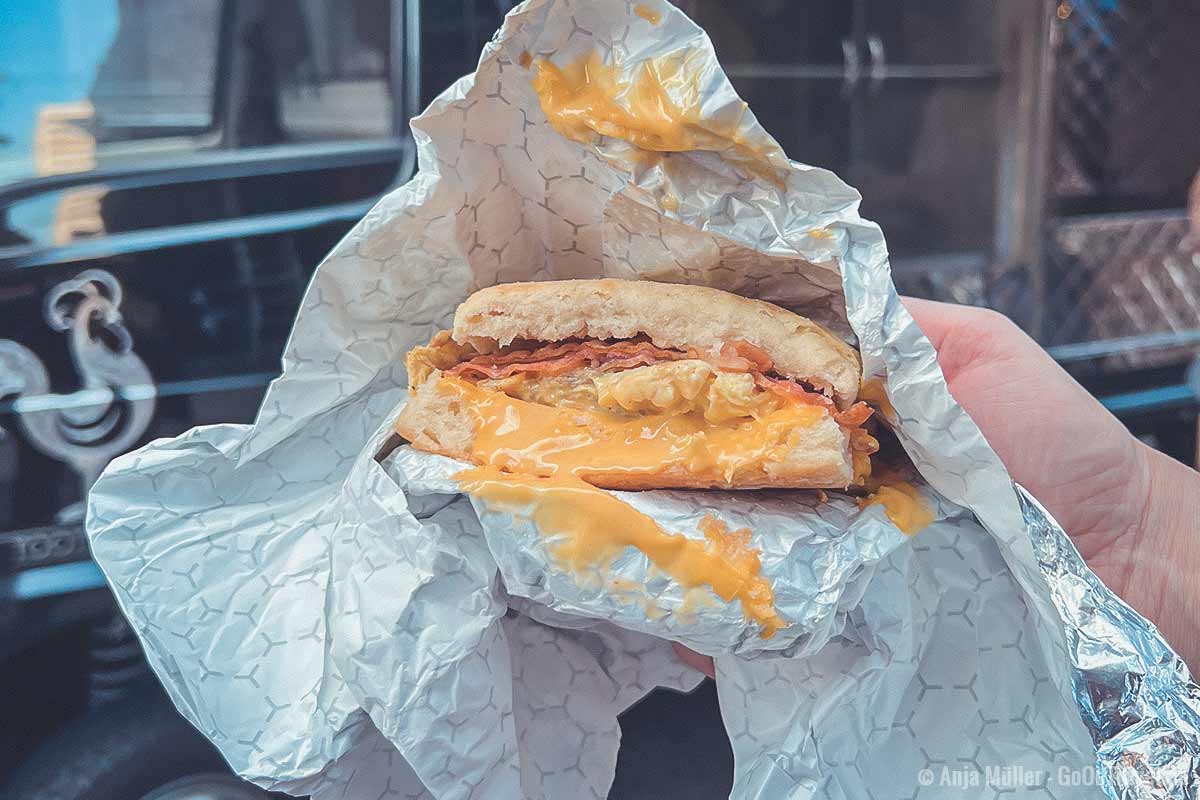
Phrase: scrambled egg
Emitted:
{"points": [[572, 390], [682, 387], [677, 387], [673, 386], [442, 352]]}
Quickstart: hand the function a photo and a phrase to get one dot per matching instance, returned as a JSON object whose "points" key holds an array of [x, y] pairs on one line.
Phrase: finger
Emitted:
{"points": [[694, 660], [972, 330], [935, 319], [967, 337]]}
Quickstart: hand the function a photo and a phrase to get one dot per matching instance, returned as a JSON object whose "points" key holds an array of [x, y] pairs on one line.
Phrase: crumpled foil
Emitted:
{"points": [[346, 624]]}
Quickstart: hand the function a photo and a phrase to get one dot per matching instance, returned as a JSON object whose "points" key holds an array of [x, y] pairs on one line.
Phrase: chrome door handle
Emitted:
{"points": [[851, 66], [878, 69]]}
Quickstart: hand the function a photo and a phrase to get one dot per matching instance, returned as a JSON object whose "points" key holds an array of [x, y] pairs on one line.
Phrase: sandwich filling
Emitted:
{"points": [[551, 422], [597, 410]]}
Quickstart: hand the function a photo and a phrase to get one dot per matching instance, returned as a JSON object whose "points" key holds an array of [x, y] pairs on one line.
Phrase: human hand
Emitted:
{"points": [[1133, 513]]}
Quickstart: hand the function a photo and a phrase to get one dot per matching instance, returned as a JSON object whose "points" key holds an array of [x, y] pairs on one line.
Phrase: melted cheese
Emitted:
{"points": [[861, 462], [874, 391], [588, 528], [903, 505], [546, 441], [647, 13], [658, 112]]}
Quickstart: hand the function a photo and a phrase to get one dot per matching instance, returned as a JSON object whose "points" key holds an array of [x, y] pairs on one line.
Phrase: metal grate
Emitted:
{"points": [[950, 279], [1127, 114], [1123, 275]]}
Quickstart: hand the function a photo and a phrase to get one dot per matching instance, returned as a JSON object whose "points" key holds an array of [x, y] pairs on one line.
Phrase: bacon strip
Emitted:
{"points": [[792, 391], [741, 356], [557, 359], [854, 416]]}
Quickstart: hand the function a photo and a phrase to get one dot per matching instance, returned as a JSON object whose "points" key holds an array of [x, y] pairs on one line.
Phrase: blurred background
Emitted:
{"points": [[171, 171]]}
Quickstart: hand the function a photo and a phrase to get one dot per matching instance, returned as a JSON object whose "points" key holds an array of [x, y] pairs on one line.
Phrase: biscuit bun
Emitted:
{"points": [[672, 317]]}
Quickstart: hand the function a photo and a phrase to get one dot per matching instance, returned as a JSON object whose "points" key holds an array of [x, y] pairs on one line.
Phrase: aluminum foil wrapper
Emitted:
{"points": [[348, 625], [818, 556]]}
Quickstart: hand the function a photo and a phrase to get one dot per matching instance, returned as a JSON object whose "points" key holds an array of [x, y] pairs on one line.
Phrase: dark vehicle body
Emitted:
{"points": [[226, 145]]}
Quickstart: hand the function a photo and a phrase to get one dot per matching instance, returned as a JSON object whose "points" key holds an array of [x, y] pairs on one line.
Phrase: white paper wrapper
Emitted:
{"points": [[350, 628]]}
